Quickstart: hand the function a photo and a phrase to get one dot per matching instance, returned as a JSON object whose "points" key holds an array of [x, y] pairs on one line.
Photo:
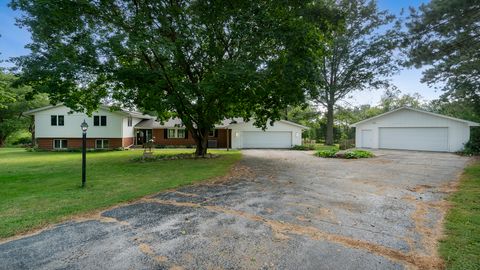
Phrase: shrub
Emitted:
{"points": [[22, 140], [472, 147], [346, 144], [353, 154], [304, 147], [327, 153]]}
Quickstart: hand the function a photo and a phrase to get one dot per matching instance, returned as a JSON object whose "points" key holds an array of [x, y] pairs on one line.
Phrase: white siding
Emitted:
{"points": [[129, 131], [71, 129], [238, 135], [458, 132]]}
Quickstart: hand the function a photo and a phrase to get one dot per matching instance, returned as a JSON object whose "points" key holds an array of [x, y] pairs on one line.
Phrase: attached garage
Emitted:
{"points": [[264, 139], [413, 129], [282, 134]]}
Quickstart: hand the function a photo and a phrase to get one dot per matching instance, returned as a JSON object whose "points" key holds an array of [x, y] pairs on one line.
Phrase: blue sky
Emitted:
{"points": [[13, 41]]}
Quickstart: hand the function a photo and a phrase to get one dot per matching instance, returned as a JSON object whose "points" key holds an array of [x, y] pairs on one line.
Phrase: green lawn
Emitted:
{"points": [[461, 247], [40, 188]]}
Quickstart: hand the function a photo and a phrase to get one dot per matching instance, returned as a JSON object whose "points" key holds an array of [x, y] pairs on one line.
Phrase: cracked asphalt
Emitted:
{"points": [[278, 210]]}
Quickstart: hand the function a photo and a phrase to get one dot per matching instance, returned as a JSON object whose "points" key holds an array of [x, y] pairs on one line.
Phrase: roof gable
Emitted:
{"points": [[469, 123]]}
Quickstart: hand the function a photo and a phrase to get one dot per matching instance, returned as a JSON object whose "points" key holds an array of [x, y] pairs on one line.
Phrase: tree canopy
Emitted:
{"points": [[200, 60], [444, 36], [14, 102], [359, 57]]}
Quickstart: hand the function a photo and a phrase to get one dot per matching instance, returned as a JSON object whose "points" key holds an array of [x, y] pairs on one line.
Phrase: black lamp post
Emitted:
{"points": [[84, 127]]}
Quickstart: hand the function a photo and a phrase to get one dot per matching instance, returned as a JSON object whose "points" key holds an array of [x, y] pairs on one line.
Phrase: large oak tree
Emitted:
{"points": [[360, 56], [203, 61]]}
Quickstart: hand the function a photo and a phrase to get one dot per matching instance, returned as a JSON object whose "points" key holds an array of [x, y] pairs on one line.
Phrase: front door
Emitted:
{"points": [[142, 136]]}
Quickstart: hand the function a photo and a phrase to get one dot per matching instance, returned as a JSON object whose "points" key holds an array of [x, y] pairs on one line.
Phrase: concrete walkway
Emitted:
{"points": [[279, 210]]}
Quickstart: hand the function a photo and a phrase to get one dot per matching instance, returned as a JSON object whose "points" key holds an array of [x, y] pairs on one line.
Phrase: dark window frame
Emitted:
{"points": [[103, 120], [61, 120], [96, 120], [53, 120], [129, 121]]}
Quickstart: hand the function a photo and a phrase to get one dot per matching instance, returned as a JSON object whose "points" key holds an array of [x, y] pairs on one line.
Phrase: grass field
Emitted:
{"points": [[461, 247], [40, 188]]}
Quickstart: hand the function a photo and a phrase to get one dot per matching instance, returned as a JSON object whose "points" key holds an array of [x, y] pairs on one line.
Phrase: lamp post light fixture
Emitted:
{"points": [[84, 127]]}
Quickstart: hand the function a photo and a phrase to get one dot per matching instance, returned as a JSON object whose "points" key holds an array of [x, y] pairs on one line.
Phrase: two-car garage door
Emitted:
{"points": [[414, 138], [269, 139]]}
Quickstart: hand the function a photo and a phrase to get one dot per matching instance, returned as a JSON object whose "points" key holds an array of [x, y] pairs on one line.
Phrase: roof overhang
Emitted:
{"points": [[104, 107]]}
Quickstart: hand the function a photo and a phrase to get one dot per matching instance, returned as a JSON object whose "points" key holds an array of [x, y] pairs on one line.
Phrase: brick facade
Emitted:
{"points": [[76, 143], [126, 142], [161, 139], [158, 134]]}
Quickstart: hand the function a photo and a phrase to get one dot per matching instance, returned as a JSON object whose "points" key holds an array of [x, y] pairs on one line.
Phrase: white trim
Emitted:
{"points": [[61, 144], [104, 107], [176, 133], [470, 123], [103, 143], [293, 124]]}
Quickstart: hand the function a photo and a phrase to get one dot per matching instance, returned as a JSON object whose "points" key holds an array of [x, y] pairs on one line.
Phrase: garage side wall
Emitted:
{"points": [[458, 132], [237, 129]]}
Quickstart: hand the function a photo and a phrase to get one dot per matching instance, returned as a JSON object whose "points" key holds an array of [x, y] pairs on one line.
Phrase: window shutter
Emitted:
{"points": [[186, 133], [165, 133], [216, 133]]}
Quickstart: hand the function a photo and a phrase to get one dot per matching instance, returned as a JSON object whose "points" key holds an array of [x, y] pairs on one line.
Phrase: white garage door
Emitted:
{"points": [[267, 139], [427, 139]]}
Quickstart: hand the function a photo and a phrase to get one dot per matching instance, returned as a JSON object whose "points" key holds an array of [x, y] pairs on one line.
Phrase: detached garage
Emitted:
{"points": [[413, 129]]}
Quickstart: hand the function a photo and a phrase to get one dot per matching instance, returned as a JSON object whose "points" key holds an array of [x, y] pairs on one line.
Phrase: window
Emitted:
{"points": [[172, 133], [60, 144], [176, 133], [211, 133], [101, 144], [53, 120], [57, 120], [181, 133], [61, 120], [129, 121], [99, 120]]}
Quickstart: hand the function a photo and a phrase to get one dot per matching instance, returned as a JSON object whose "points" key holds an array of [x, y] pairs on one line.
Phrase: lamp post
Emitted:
{"points": [[84, 127]]}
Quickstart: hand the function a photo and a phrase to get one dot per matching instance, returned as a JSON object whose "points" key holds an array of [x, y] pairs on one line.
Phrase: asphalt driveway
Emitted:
{"points": [[278, 210]]}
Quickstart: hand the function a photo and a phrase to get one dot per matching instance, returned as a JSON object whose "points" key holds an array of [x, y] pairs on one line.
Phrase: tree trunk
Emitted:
{"points": [[2, 141], [329, 139], [201, 139], [31, 128]]}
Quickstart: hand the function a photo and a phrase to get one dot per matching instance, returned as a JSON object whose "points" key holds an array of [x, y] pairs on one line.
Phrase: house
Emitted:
{"points": [[412, 129], [57, 128]]}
